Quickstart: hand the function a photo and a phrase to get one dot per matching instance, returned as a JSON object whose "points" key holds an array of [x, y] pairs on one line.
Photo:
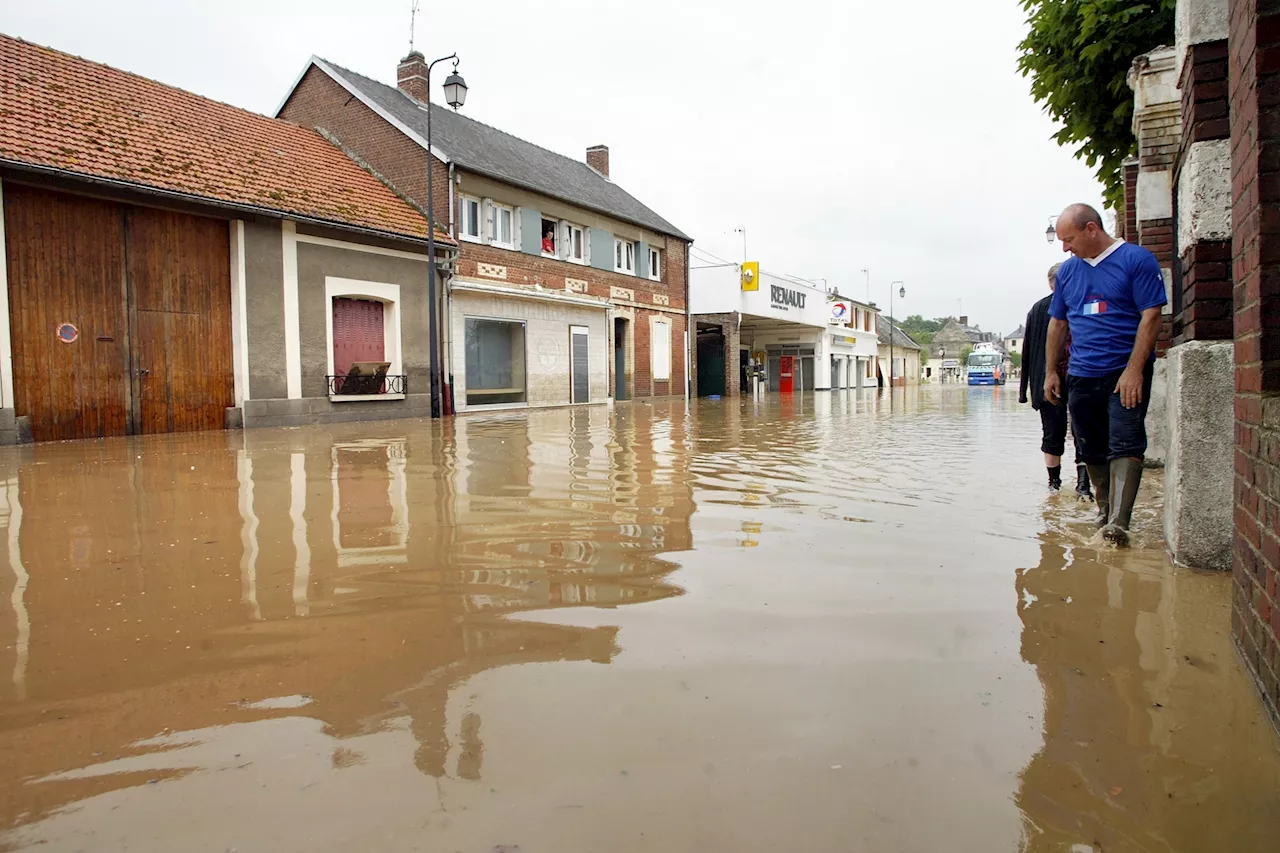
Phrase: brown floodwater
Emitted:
{"points": [[823, 623]]}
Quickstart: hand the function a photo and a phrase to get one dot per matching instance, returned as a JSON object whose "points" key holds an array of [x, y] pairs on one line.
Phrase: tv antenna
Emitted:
{"points": [[413, 19]]}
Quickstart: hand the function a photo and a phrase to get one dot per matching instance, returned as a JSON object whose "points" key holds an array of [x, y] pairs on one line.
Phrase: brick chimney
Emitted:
{"points": [[964, 319], [598, 158], [411, 76]]}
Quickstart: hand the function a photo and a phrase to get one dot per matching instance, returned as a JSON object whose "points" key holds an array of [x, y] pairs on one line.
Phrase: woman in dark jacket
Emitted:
{"points": [[1053, 418]]}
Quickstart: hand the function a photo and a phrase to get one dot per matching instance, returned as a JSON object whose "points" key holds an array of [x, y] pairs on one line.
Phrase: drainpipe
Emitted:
{"points": [[447, 325], [687, 316]]}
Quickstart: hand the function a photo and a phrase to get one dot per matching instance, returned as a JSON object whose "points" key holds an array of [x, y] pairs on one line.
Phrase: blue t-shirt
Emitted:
{"points": [[1103, 306]]}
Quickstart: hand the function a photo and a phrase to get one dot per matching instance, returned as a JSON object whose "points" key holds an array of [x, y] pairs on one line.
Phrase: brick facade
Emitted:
{"points": [[1202, 299], [1254, 74], [1129, 226], [319, 101]]}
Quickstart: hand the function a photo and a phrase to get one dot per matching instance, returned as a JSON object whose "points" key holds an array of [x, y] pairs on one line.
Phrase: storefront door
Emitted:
{"points": [[786, 375]]}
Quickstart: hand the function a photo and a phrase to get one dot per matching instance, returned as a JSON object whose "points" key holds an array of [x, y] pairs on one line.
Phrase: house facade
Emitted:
{"points": [[1013, 342], [901, 360], [566, 290], [946, 353], [169, 263]]}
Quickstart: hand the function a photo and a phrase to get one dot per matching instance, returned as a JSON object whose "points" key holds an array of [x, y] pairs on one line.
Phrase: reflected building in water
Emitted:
{"points": [[171, 583]]}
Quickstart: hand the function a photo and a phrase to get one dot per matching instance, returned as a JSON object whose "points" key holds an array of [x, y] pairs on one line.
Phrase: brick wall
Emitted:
{"points": [[1203, 309], [1254, 74], [1129, 229], [318, 101]]}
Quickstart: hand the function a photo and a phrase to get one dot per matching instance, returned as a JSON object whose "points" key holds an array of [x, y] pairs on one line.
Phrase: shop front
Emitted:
{"points": [[517, 347], [792, 336]]}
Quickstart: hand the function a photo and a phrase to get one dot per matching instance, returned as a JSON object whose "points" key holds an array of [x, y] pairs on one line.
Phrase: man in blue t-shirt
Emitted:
{"points": [[1110, 294]]}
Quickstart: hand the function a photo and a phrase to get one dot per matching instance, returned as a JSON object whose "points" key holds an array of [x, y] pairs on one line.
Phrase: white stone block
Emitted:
{"points": [[1155, 195], [1204, 193], [1196, 22], [1198, 467]]}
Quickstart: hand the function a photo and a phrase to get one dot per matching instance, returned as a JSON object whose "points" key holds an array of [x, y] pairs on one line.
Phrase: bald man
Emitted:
{"points": [[1111, 293]]}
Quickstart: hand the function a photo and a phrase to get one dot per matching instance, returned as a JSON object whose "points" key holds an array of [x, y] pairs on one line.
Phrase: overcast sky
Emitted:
{"points": [[896, 137]]}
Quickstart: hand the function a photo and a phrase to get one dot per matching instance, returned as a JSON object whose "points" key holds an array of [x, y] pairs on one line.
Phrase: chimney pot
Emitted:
{"points": [[411, 76], [598, 158]]}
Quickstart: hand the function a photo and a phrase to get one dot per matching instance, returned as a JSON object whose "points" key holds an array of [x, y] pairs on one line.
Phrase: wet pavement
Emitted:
{"points": [[824, 623]]}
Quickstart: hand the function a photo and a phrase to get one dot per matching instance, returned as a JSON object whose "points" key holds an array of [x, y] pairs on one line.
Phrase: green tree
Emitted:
{"points": [[1078, 54], [964, 355], [1017, 359]]}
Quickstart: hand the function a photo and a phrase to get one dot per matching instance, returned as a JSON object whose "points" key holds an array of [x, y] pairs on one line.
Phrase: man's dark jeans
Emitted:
{"points": [[1053, 425], [1104, 428]]}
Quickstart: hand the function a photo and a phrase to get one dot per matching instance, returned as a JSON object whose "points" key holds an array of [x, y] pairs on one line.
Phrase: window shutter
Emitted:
{"points": [[601, 249], [487, 229], [642, 262], [530, 231], [515, 228]]}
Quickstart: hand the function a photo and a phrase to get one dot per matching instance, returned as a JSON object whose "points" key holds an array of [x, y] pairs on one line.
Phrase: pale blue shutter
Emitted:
{"points": [[642, 262], [601, 249], [530, 231]]}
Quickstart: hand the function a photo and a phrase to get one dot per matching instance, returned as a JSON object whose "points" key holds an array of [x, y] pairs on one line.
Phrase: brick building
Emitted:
{"points": [[567, 289]]}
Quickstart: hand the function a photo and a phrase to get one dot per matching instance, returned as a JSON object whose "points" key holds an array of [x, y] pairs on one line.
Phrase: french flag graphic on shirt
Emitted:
{"points": [[1098, 306]]}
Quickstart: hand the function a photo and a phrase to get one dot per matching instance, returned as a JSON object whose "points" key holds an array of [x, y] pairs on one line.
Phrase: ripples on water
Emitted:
{"points": [[834, 617]]}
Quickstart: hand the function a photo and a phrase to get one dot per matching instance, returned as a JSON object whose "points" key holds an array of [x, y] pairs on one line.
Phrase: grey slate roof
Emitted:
{"points": [[900, 338], [1019, 332], [488, 151]]}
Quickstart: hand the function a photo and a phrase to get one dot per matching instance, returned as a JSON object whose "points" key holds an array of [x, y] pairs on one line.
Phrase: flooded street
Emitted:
{"points": [[814, 624]]}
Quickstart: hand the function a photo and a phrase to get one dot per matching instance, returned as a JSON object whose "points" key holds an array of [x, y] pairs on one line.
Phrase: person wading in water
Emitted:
{"points": [[1110, 292], [1053, 417]]}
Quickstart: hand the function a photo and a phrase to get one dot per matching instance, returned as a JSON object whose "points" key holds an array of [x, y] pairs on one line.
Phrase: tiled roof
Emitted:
{"points": [[1019, 332], [62, 112], [492, 152], [900, 338]]}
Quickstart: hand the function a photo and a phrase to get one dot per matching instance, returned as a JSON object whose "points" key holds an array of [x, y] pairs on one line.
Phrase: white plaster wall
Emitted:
{"points": [[1155, 195], [547, 361], [1154, 80], [1196, 22], [1204, 193]]}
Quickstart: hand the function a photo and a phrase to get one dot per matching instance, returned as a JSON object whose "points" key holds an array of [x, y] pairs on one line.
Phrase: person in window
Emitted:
{"points": [[549, 240], [1053, 416]]}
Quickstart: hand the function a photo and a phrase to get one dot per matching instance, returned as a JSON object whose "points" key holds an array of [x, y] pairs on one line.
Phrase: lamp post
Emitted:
{"points": [[902, 292], [455, 95], [1051, 233]]}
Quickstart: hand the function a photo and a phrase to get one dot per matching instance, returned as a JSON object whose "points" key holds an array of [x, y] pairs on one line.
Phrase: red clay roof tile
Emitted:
{"points": [[64, 112]]}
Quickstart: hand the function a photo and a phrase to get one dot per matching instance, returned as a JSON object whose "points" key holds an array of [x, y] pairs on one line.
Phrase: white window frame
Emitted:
{"points": [[389, 296], [556, 231], [463, 234], [620, 247], [655, 263], [494, 209], [566, 229], [655, 375]]}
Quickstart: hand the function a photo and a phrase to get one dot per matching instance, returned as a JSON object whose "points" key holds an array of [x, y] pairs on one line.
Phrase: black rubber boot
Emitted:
{"points": [[1100, 476], [1055, 477], [1082, 483], [1126, 476]]}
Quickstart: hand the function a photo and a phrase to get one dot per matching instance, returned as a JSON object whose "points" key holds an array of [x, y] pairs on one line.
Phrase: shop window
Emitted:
{"points": [[624, 256], [495, 361], [655, 264], [549, 242], [469, 218], [660, 346]]}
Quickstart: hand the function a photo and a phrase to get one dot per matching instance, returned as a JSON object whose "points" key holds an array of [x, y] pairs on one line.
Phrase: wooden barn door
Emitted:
{"points": [[180, 299], [66, 263], [121, 316]]}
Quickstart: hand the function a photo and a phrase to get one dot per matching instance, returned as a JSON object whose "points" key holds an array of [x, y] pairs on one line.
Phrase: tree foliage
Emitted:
{"points": [[1078, 54]]}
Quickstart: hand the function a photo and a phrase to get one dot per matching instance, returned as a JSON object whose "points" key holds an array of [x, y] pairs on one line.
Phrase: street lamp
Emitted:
{"points": [[1051, 232], [902, 292], [455, 95]]}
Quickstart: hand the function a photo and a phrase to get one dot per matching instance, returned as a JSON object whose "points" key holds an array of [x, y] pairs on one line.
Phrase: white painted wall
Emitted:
{"points": [[547, 357]]}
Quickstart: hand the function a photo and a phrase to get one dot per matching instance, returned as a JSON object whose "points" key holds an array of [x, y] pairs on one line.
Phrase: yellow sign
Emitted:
{"points": [[751, 275]]}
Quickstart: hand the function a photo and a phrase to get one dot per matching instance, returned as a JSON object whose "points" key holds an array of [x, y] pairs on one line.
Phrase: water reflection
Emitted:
{"points": [[186, 583], [1145, 709]]}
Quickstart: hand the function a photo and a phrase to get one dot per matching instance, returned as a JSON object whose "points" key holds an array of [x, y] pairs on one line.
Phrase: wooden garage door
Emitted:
{"points": [[121, 316]]}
